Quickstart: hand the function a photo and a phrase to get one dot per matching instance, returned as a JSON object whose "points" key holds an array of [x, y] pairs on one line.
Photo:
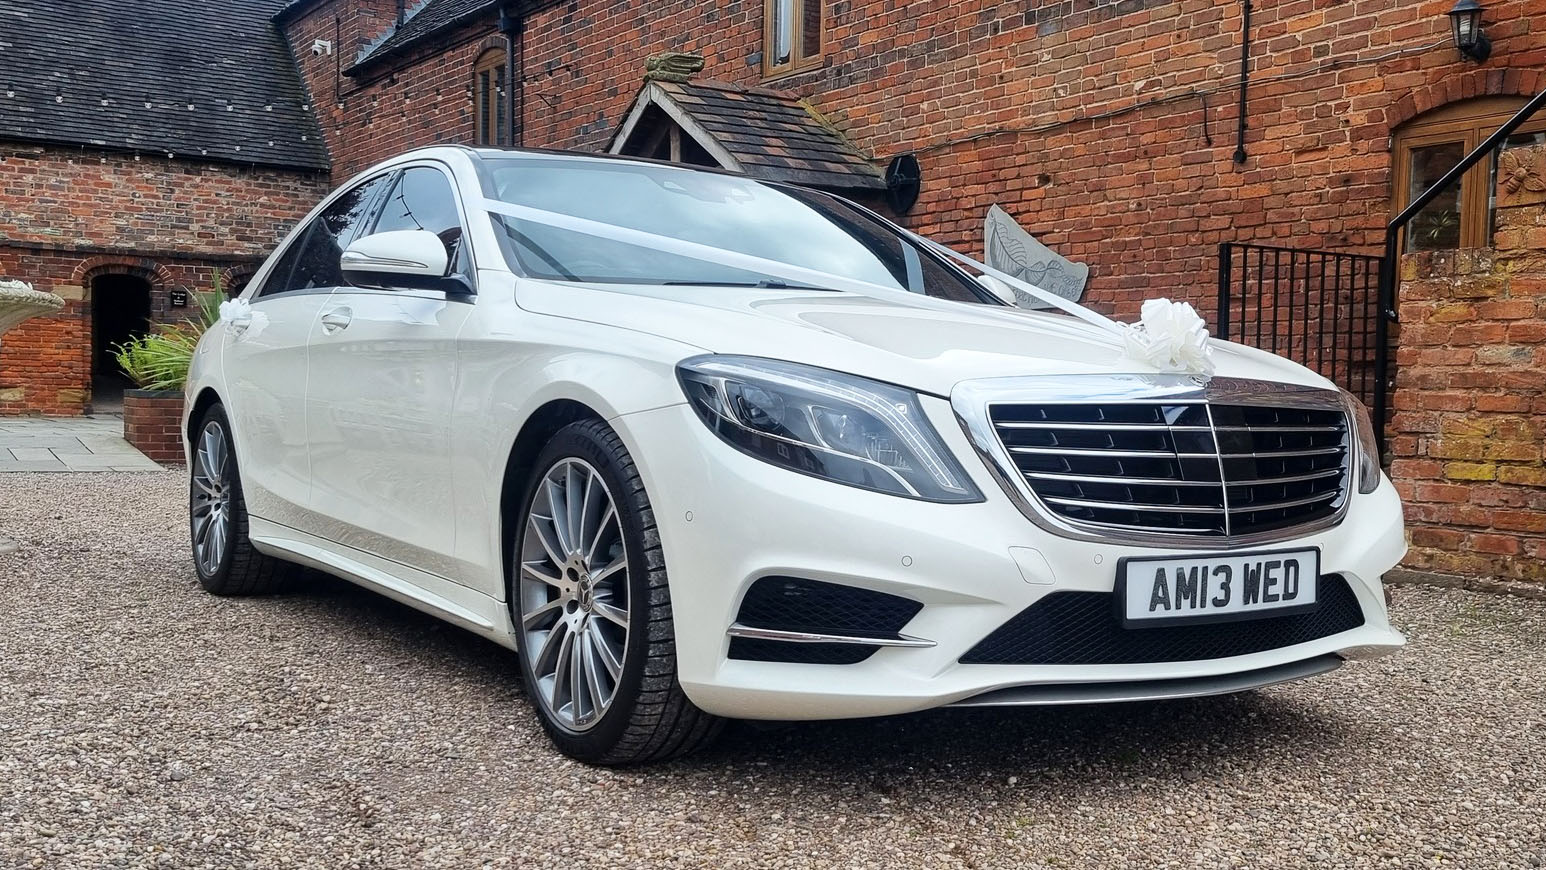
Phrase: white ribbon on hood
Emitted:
{"points": [[1172, 342]]}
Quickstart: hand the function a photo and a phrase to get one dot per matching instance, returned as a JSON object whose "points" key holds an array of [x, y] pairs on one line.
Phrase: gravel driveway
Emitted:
{"points": [[145, 724]]}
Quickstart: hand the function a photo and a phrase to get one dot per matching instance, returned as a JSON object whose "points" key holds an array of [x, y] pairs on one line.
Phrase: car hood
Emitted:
{"points": [[914, 341]]}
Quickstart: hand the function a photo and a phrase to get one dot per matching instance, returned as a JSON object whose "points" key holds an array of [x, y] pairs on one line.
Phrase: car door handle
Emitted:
{"points": [[336, 320]]}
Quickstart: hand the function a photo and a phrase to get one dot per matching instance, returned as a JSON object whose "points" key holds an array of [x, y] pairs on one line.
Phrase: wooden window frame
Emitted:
{"points": [[799, 59], [494, 63], [1467, 122]]}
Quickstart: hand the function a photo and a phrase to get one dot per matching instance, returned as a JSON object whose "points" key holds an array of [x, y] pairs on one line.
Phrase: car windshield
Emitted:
{"points": [[787, 224]]}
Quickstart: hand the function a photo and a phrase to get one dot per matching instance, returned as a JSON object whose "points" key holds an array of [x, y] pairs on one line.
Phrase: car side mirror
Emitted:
{"points": [[401, 259], [1001, 291]]}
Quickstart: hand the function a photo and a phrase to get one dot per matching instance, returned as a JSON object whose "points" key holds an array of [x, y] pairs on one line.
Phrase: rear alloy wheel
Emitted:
{"points": [[211, 499], [223, 557], [593, 609]]}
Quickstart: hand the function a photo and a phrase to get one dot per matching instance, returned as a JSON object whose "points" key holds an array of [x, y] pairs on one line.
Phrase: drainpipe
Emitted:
{"points": [[402, 11], [513, 24], [1245, 77]]}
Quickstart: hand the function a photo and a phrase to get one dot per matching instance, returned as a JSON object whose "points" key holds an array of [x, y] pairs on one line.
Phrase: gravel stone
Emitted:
{"points": [[145, 724]]}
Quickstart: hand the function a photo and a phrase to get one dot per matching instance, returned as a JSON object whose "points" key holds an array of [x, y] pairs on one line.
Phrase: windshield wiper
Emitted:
{"points": [[765, 284]]}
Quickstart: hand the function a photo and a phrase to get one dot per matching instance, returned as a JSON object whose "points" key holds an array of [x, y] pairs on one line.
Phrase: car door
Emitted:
{"points": [[383, 373], [266, 358]]}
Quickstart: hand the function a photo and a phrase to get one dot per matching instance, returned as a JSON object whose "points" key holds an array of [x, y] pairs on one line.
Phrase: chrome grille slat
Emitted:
{"points": [[1118, 506], [1149, 530], [1285, 454], [1185, 468], [1325, 429], [1288, 503], [1290, 478], [1104, 427], [1126, 481], [1112, 454]]}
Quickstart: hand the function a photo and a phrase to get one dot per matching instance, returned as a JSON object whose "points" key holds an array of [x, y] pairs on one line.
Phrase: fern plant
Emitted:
{"points": [[160, 359]]}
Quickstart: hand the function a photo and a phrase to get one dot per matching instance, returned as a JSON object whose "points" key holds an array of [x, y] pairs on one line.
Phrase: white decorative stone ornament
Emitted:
{"points": [[1171, 337], [1009, 248], [19, 302]]}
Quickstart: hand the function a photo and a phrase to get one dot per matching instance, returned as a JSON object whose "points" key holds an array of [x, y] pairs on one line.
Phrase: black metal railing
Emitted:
{"points": [[1333, 311], [1318, 308], [1389, 263]]}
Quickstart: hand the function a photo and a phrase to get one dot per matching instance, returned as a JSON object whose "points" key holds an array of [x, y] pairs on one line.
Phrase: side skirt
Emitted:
{"points": [[430, 593]]}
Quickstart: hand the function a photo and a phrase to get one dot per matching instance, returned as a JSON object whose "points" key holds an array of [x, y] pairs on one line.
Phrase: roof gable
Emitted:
{"points": [[763, 133], [209, 79], [424, 19]]}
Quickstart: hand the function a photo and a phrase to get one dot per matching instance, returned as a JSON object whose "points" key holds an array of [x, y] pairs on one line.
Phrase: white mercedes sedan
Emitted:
{"points": [[599, 411]]}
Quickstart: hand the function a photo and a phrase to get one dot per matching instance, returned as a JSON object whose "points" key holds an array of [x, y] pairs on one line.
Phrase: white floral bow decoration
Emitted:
{"points": [[1170, 336], [241, 321], [231, 309]]}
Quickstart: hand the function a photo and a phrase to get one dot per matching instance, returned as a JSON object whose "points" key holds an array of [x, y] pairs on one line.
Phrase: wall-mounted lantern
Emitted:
{"points": [[1466, 21]]}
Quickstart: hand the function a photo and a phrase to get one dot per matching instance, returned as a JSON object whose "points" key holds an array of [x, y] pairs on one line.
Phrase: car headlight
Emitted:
{"points": [[825, 424], [1368, 449]]}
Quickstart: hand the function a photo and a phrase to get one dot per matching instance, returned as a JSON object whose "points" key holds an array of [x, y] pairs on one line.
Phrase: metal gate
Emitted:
{"points": [[1318, 308]]}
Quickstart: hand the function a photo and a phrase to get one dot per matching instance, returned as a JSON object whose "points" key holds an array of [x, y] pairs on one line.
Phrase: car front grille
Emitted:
{"points": [[1192, 468], [1084, 628]]}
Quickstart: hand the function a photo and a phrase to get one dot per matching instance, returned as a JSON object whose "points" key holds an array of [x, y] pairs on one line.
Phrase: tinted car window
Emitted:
{"points": [[775, 222], [278, 280], [330, 233], [423, 200]]}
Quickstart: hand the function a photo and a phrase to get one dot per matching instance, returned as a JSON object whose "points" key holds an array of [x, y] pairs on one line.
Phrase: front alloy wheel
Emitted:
{"points": [[574, 595], [592, 608]]}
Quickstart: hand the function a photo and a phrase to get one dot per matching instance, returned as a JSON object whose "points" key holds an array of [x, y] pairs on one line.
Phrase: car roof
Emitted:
{"points": [[502, 153]]}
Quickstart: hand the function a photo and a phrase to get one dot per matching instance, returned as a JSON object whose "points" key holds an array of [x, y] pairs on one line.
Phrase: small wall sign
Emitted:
{"points": [[179, 298]]}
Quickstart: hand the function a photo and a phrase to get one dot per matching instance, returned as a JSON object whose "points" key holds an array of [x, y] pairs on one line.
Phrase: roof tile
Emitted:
{"points": [[200, 78], [774, 135]]}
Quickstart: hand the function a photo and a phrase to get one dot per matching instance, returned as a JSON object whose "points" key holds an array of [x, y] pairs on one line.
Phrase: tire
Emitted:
{"points": [[566, 588], [233, 566]]}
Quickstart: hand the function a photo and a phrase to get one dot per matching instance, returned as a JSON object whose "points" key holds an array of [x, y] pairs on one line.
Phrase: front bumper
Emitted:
{"points": [[726, 519]]}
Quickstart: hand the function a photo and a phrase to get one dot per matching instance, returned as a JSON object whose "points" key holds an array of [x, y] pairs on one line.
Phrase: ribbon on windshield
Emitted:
{"points": [[1148, 342]]}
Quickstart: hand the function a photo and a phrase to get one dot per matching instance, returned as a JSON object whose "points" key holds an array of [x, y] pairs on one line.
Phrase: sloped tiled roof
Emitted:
{"points": [[197, 78], [771, 134], [426, 18]]}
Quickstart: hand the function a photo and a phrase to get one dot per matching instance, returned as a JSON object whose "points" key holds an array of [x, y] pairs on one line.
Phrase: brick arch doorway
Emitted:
{"points": [[120, 311]]}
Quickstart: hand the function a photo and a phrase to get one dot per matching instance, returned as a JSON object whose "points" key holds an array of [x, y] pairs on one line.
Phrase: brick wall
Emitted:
{"points": [[1127, 110], [424, 99], [152, 422], [67, 215], [1470, 398]]}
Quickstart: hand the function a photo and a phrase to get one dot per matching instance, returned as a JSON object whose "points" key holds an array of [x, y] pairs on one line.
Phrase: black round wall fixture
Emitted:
{"points": [[904, 178]]}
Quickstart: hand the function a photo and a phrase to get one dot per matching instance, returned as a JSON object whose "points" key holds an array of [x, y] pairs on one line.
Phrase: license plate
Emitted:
{"points": [[1217, 587]]}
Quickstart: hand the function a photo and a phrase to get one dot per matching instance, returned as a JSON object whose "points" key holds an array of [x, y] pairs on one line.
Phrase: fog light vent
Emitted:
{"points": [[790, 619]]}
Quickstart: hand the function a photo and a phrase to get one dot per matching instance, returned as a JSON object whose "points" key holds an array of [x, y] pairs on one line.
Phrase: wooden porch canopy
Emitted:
{"points": [[763, 133]]}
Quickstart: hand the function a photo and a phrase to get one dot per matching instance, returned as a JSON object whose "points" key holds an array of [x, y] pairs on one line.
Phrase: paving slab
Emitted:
{"points": [[33, 465], [68, 444], [107, 444], [97, 462], [25, 454], [10, 440]]}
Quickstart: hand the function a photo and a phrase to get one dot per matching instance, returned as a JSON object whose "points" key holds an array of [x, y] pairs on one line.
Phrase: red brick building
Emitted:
{"points": [[126, 185], [1136, 136], [1111, 130]]}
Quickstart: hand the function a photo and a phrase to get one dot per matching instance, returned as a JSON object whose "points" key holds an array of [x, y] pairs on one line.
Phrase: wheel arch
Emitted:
{"points": [[201, 403], [535, 432]]}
